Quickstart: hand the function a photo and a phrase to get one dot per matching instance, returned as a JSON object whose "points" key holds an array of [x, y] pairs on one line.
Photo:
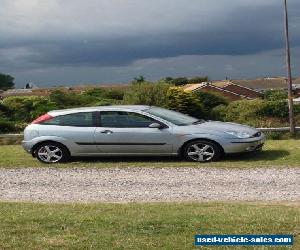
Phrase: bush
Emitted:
{"points": [[275, 95], [297, 109], [278, 108], [20, 108], [274, 135], [184, 102], [179, 81], [6, 126], [115, 93], [244, 111], [103, 93], [284, 135], [3, 109], [41, 107], [147, 93], [198, 79], [258, 113], [26, 108], [209, 101], [23, 109], [20, 126], [70, 100], [105, 102]]}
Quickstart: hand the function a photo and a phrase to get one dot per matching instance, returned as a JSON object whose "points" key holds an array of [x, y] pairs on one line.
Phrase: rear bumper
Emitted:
{"points": [[27, 146]]}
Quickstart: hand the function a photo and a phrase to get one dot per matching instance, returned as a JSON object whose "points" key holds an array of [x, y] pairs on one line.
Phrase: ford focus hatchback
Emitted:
{"points": [[134, 130]]}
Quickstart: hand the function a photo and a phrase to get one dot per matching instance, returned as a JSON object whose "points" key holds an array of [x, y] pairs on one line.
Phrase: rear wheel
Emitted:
{"points": [[51, 152], [202, 151]]}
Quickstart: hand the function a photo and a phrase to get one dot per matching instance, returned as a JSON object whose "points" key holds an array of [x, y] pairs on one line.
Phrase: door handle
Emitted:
{"points": [[106, 132]]}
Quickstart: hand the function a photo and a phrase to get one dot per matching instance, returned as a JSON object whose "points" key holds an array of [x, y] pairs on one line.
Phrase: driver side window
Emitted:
{"points": [[121, 119]]}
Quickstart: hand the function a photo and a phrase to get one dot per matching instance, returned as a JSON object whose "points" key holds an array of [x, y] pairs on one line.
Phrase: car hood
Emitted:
{"points": [[216, 126]]}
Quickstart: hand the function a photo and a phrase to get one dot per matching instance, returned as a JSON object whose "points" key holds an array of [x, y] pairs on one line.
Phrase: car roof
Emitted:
{"points": [[99, 108]]}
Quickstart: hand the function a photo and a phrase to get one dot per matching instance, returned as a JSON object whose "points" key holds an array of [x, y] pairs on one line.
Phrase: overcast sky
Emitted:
{"points": [[67, 42]]}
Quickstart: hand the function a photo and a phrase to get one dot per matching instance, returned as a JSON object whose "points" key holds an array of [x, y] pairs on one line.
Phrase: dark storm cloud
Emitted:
{"points": [[246, 31], [118, 33]]}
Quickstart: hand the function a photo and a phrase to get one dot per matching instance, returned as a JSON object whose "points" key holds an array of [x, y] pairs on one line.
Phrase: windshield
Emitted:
{"points": [[172, 116]]}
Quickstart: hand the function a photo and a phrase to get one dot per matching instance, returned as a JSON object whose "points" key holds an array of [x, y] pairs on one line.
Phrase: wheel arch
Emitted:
{"points": [[42, 142], [181, 149]]}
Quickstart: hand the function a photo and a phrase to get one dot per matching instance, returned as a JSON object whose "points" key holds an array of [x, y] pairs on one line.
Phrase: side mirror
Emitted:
{"points": [[155, 125]]}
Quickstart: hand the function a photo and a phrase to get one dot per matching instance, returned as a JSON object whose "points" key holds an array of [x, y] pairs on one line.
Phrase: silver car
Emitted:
{"points": [[134, 130]]}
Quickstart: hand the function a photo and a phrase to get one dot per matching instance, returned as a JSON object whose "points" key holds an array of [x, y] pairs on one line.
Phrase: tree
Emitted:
{"points": [[168, 79], [6, 82], [138, 79]]}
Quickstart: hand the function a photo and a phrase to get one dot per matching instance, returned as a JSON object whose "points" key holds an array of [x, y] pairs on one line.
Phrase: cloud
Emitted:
{"points": [[262, 64], [36, 35]]}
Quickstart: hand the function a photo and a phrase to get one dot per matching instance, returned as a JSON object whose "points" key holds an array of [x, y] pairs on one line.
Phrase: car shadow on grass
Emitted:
{"points": [[268, 155], [265, 155]]}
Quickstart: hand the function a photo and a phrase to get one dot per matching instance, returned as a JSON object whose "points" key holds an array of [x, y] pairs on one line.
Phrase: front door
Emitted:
{"points": [[129, 133]]}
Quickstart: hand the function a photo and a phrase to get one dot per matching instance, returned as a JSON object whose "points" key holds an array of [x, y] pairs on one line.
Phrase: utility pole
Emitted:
{"points": [[289, 71]]}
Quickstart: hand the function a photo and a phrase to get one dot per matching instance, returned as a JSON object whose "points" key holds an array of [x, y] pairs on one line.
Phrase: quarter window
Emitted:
{"points": [[121, 119], [82, 119]]}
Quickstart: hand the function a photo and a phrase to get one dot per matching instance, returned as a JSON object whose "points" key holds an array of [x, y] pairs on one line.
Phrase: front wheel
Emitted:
{"points": [[202, 151], [50, 152]]}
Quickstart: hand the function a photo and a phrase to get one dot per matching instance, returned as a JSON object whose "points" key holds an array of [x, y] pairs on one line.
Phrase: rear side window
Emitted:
{"points": [[82, 119], [121, 119]]}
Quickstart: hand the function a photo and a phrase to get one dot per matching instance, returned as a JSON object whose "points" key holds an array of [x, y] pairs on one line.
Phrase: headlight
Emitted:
{"points": [[241, 135]]}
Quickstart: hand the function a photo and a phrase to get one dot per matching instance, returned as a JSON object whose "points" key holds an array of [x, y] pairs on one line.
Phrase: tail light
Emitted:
{"points": [[42, 119]]}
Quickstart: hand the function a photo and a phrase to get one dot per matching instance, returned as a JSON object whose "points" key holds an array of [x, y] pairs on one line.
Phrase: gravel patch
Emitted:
{"points": [[149, 184]]}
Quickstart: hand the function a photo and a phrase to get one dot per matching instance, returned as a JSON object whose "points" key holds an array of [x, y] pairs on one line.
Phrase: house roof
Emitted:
{"points": [[211, 87], [16, 92], [226, 88], [245, 91], [220, 84], [263, 83], [192, 87], [296, 81]]}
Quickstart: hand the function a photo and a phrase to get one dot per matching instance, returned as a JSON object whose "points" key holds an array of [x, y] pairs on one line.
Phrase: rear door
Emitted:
{"points": [[129, 132]]}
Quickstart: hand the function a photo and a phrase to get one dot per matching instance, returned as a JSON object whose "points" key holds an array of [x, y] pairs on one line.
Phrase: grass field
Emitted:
{"points": [[277, 153], [138, 226]]}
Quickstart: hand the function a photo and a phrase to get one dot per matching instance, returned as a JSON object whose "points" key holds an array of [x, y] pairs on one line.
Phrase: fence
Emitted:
{"points": [[10, 139]]}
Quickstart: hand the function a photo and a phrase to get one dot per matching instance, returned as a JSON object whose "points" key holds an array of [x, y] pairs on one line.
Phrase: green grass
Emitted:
{"points": [[138, 226], [277, 153]]}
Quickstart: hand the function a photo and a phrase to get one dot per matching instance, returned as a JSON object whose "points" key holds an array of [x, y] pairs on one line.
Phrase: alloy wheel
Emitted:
{"points": [[200, 152], [50, 154]]}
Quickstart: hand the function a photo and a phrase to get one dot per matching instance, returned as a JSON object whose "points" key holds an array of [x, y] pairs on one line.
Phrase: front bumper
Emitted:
{"points": [[242, 146]]}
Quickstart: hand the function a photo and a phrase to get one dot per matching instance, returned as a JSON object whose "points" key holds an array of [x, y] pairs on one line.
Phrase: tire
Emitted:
{"points": [[202, 151], [52, 152]]}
